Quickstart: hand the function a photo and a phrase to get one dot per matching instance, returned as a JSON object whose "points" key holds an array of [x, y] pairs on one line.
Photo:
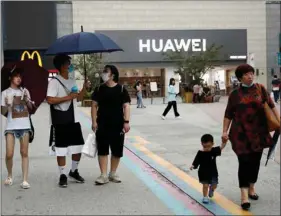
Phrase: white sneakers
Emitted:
{"points": [[9, 182], [103, 179], [25, 185], [114, 178]]}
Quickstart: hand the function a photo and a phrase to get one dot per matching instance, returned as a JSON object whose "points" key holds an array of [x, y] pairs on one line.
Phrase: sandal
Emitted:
{"points": [[254, 196], [246, 206], [8, 181], [25, 185]]}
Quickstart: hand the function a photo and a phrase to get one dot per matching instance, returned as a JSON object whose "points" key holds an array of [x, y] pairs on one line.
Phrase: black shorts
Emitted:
{"points": [[112, 140], [212, 181]]}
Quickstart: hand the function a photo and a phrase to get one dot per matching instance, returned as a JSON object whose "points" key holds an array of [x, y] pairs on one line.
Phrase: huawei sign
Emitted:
{"points": [[34, 55]]}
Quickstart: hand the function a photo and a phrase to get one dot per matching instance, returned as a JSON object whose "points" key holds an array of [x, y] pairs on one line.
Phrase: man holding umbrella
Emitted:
{"points": [[65, 135]]}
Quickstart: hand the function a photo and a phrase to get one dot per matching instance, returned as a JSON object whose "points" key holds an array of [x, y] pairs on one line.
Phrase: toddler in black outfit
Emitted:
{"points": [[206, 161]]}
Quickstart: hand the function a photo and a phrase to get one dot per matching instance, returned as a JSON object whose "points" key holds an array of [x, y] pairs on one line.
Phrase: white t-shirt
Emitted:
{"points": [[55, 89], [15, 123]]}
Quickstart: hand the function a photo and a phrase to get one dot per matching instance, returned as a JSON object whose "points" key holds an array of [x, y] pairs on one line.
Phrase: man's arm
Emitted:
{"points": [[126, 108], [58, 100], [94, 110]]}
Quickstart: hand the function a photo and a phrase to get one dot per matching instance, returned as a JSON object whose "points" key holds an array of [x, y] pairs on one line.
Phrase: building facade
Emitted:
{"points": [[144, 29], [28, 29], [273, 38], [185, 16]]}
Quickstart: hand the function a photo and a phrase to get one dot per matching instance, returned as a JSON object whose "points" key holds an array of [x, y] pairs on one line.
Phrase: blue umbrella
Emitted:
{"points": [[272, 149], [83, 43]]}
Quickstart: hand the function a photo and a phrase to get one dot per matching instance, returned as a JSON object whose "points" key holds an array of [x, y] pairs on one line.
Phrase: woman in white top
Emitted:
{"points": [[172, 100], [15, 103]]}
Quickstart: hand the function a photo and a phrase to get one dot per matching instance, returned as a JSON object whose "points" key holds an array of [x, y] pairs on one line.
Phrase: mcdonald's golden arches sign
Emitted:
{"points": [[32, 55]]}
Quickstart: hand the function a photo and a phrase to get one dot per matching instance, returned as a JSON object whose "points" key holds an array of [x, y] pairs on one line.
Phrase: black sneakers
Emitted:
{"points": [[76, 176], [63, 181]]}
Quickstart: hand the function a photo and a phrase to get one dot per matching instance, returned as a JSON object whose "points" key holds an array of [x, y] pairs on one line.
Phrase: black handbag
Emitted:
{"points": [[31, 134]]}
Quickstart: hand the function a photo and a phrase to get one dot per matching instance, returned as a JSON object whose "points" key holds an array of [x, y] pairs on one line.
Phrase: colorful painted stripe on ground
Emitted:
{"points": [[178, 202], [164, 190], [220, 205]]}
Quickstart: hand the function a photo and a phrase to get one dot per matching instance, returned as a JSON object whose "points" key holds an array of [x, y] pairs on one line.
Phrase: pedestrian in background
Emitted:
{"points": [[110, 121], [15, 103], [65, 133], [249, 133], [172, 102], [276, 88], [196, 91], [206, 161], [139, 95], [147, 89]]}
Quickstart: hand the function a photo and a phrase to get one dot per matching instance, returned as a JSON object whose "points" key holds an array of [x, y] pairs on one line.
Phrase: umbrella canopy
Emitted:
{"points": [[34, 78], [272, 149], [83, 43]]}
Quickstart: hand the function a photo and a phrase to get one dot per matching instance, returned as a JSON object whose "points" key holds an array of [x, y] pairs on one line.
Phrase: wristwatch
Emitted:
{"points": [[127, 122]]}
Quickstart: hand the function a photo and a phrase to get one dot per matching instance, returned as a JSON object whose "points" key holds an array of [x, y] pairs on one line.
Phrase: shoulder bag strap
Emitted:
{"points": [[262, 93], [65, 88]]}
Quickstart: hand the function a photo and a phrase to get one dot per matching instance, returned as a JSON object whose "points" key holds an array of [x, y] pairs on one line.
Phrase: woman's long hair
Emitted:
{"points": [[172, 81]]}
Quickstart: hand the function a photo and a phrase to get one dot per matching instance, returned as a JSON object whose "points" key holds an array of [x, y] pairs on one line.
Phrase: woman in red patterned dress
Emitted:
{"points": [[248, 133]]}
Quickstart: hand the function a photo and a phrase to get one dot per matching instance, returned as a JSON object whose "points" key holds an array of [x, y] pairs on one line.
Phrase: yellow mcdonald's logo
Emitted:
{"points": [[31, 56]]}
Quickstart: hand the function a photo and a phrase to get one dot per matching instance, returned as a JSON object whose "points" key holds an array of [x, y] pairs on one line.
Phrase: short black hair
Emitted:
{"points": [[114, 72], [243, 69], [171, 81], [207, 138], [275, 76], [60, 60]]}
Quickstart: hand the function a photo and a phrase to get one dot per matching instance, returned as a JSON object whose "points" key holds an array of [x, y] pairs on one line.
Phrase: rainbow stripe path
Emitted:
{"points": [[180, 192]]}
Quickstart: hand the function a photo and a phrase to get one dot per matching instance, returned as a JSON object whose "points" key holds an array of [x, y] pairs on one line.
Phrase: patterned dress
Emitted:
{"points": [[248, 131]]}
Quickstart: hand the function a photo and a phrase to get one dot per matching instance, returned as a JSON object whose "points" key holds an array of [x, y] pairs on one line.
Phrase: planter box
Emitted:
{"points": [[86, 103], [188, 97]]}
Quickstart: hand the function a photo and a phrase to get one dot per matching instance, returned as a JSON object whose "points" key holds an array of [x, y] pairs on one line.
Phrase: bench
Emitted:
{"points": [[87, 103]]}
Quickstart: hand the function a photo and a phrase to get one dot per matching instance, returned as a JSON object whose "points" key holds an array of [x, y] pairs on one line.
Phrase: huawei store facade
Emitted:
{"points": [[143, 57], [247, 30]]}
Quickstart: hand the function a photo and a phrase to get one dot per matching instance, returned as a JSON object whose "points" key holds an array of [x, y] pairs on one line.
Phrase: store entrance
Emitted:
{"points": [[129, 76]]}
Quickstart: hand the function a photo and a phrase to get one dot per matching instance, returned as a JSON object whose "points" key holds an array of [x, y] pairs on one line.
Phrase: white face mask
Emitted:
{"points": [[105, 77]]}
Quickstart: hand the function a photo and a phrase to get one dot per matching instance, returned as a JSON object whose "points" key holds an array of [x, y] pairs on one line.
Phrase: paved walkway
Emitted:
{"points": [[170, 146], [156, 180], [178, 141], [142, 192]]}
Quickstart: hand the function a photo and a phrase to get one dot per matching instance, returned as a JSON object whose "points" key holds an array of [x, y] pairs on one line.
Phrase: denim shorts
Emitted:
{"points": [[18, 133], [213, 181]]}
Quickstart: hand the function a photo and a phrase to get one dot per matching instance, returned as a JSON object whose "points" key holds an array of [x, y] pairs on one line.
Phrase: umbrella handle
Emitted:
{"points": [[85, 70]]}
